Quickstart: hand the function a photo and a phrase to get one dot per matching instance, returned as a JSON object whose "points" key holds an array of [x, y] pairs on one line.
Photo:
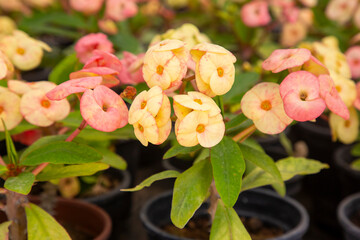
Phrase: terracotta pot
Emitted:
{"points": [[81, 216]]}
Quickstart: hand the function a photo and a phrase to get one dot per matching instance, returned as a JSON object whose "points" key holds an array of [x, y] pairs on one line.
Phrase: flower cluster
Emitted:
{"points": [[342, 11], [28, 100], [302, 96]]}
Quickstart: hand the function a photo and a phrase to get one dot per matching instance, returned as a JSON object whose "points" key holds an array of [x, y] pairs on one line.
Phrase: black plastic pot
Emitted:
{"points": [[346, 209], [130, 151], [37, 74], [265, 205], [116, 203], [348, 176]]}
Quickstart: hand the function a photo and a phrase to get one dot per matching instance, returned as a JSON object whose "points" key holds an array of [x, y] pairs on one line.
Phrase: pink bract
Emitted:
{"points": [[86, 6], [353, 59], [255, 14], [300, 92], [119, 10], [87, 44], [103, 109], [282, 59], [132, 70], [103, 59], [73, 86], [109, 76], [332, 98]]}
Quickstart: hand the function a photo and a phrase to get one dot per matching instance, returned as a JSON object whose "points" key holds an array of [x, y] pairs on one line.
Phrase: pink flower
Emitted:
{"points": [[353, 59], [87, 44], [73, 86], [87, 7], [313, 65], [291, 13], [282, 59], [255, 14], [332, 98], [109, 76], [104, 59], [103, 109], [264, 106], [300, 92], [131, 73], [119, 10], [39, 110]]}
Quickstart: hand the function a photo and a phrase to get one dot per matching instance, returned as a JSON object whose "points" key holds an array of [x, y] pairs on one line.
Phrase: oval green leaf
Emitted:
{"points": [[21, 184]]}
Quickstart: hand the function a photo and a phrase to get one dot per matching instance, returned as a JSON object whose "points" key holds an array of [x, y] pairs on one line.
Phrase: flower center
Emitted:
{"points": [[1, 109], [141, 128], [220, 72], [20, 51], [266, 105], [198, 101], [347, 123], [105, 107], [143, 105], [356, 61], [303, 96], [338, 88], [200, 128], [45, 103], [160, 70]]}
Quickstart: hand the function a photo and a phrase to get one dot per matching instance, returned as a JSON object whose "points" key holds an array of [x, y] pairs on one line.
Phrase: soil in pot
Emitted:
{"points": [[355, 218], [263, 213], [348, 214], [198, 228]]}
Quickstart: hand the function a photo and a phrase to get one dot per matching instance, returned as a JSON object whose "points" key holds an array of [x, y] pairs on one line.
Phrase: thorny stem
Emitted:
{"points": [[182, 88], [41, 167], [188, 79], [244, 134], [214, 198], [16, 213]]}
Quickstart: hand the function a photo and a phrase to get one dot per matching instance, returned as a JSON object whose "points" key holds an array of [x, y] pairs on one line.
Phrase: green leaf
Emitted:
{"points": [[3, 169], [21, 183], [4, 229], [355, 151], [62, 70], [10, 148], [112, 159], [178, 149], [228, 167], [56, 172], [235, 121], [190, 190], [286, 143], [156, 177], [356, 164], [263, 161], [243, 82], [204, 153], [22, 127], [288, 167], [227, 225], [41, 142], [42, 226], [61, 153], [126, 42]]}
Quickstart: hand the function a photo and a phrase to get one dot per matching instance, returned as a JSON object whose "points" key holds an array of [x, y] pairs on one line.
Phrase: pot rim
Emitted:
{"points": [[102, 215], [318, 129], [340, 163], [301, 227], [344, 220], [115, 191]]}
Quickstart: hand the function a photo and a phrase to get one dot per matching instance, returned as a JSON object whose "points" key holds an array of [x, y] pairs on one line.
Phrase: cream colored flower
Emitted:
{"points": [[9, 109], [345, 87], [150, 116], [293, 33], [215, 71], [344, 130], [340, 10], [165, 64], [7, 25]]}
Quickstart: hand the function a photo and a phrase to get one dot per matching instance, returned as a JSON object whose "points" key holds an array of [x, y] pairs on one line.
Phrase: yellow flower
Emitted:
{"points": [[7, 25], [215, 71], [165, 64], [150, 116], [345, 87], [344, 130], [199, 120]]}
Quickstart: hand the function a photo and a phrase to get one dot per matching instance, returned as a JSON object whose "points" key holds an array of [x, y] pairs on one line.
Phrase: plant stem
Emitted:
{"points": [[16, 213], [41, 167], [188, 79], [244, 133], [214, 198]]}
